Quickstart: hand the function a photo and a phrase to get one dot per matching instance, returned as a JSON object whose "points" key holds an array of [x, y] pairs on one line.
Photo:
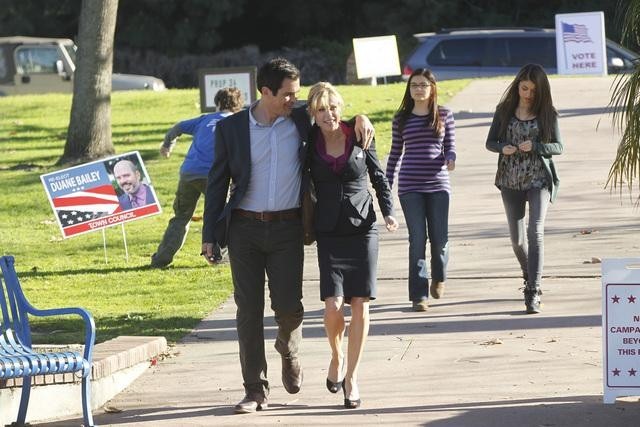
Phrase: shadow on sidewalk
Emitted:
{"points": [[583, 411], [405, 321]]}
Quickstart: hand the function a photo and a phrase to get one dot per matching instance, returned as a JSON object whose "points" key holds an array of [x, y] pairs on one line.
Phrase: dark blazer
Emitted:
{"points": [[232, 164], [345, 197]]}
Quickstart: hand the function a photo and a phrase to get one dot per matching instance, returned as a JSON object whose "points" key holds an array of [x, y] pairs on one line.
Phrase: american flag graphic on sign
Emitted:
{"points": [[85, 205], [577, 33]]}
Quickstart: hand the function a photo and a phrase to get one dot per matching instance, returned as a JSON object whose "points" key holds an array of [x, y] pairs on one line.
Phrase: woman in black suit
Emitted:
{"points": [[346, 232]]}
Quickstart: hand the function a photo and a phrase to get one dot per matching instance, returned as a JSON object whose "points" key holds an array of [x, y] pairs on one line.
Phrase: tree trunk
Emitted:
{"points": [[89, 134]]}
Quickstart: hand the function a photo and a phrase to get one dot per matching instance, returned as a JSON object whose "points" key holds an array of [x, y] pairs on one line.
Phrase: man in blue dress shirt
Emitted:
{"points": [[261, 151]]}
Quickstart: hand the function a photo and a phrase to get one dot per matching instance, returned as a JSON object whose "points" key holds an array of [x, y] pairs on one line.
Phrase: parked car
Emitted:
{"points": [[42, 65], [484, 52]]}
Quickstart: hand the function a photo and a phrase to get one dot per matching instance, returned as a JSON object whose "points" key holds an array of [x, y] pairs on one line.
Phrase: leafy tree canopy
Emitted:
{"points": [[178, 27]]}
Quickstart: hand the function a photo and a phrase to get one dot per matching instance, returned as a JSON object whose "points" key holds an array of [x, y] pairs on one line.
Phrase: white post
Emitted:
{"points": [[126, 248], [104, 246]]}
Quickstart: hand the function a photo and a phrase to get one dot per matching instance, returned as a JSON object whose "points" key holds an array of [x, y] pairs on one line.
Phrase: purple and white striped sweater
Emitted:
{"points": [[423, 153]]}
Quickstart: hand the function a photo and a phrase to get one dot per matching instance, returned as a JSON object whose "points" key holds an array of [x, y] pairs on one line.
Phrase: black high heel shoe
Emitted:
{"points": [[334, 387], [350, 403]]}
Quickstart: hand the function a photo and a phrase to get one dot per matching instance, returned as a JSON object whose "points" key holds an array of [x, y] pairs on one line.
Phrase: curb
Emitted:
{"points": [[116, 364]]}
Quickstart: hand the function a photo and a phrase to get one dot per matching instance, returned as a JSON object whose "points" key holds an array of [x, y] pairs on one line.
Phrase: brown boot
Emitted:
{"points": [[421, 305], [291, 374], [251, 403], [436, 289]]}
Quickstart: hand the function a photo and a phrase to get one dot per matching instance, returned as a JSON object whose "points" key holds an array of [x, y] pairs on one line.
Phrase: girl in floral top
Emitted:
{"points": [[525, 133]]}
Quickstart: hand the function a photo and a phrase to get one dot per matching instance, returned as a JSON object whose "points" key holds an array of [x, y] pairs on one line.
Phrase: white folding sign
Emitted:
{"points": [[621, 327], [376, 56]]}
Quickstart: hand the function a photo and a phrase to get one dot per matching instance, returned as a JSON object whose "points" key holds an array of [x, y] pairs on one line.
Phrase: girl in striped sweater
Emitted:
{"points": [[423, 135]]}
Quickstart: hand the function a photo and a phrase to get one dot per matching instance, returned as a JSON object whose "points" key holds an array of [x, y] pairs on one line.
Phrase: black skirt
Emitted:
{"points": [[348, 264]]}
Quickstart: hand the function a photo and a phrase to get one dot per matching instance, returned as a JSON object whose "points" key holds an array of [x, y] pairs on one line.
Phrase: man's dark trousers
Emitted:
{"points": [[274, 247]]}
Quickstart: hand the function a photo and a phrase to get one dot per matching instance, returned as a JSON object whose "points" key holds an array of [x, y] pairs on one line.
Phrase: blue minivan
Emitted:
{"points": [[484, 52]]}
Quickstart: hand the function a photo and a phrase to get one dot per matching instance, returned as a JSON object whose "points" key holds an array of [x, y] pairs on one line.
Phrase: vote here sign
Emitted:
{"points": [[581, 43]]}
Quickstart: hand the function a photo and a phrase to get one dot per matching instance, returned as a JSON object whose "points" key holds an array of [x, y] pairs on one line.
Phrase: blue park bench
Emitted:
{"points": [[19, 360]]}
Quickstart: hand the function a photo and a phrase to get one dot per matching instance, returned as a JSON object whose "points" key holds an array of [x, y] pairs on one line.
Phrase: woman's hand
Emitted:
{"points": [[451, 165], [508, 150], [525, 146], [392, 223]]}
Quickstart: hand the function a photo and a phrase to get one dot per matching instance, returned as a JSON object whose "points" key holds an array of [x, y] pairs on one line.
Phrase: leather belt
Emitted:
{"points": [[270, 216]]}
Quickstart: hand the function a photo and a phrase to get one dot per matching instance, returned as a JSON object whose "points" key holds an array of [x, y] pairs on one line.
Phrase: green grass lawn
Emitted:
{"points": [[125, 297]]}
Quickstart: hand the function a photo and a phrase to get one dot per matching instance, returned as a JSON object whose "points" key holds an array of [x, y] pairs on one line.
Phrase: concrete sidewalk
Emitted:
{"points": [[474, 359]]}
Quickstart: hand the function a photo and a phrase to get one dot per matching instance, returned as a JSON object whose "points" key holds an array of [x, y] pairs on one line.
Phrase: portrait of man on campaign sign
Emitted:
{"points": [[100, 194], [132, 187]]}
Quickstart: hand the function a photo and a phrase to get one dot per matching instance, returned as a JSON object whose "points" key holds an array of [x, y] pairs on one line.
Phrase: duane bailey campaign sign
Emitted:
{"points": [[100, 194]]}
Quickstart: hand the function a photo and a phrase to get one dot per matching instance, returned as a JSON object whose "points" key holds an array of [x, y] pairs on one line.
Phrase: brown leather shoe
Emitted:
{"points": [[437, 289], [291, 374], [251, 403]]}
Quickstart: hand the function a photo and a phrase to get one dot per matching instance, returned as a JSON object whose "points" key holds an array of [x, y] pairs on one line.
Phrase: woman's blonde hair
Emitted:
{"points": [[319, 95]]}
